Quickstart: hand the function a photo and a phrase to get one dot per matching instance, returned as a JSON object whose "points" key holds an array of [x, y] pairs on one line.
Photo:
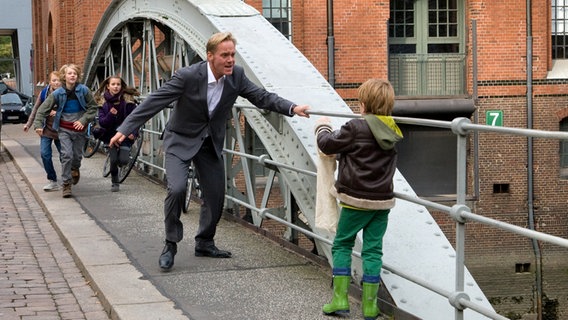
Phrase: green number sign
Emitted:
{"points": [[494, 118]]}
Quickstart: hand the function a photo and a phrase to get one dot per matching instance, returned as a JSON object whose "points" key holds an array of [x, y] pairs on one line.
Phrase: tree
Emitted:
{"points": [[6, 56]]}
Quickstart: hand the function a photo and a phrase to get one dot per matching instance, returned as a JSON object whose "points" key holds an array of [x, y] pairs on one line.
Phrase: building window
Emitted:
{"points": [[559, 29], [522, 267], [426, 47], [431, 170], [501, 188], [564, 150], [278, 13]]}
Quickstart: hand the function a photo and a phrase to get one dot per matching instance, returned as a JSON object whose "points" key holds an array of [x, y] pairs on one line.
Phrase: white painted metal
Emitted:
{"points": [[416, 244], [413, 243]]}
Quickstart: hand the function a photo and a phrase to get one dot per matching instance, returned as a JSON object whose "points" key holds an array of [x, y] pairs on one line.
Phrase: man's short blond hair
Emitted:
{"points": [[217, 38]]}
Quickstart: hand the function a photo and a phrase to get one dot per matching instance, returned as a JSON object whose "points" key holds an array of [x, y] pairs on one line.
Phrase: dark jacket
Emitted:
{"points": [[367, 160], [189, 122], [110, 122]]}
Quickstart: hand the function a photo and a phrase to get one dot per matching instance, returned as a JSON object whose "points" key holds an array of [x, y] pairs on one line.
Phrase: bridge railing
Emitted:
{"points": [[459, 212]]}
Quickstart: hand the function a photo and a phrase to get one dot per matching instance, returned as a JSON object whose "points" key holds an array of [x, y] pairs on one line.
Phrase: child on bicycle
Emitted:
{"points": [[118, 101]]}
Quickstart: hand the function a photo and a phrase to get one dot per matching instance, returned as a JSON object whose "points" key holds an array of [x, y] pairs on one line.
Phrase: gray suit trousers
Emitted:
{"points": [[211, 172]]}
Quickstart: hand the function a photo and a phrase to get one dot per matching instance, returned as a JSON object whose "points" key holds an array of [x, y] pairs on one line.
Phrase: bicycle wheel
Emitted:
{"points": [[91, 144], [193, 191], [188, 189], [106, 165], [123, 171]]}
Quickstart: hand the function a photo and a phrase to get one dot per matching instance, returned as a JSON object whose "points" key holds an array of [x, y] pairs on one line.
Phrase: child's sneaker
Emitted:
{"points": [[51, 186]]}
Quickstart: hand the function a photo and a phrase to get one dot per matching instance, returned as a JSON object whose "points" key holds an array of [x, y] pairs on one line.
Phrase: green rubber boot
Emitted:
{"points": [[340, 303], [370, 309]]}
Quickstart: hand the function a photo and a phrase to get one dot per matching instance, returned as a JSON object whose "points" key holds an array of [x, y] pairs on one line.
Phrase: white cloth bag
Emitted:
{"points": [[327, 213]]}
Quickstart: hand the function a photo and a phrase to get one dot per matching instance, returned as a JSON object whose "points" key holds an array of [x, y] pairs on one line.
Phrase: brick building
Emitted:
{"points": [[445, 58]]}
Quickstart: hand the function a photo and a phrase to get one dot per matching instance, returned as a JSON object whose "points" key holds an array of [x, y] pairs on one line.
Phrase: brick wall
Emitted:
{"points": [[359, 33], [62, 32]]}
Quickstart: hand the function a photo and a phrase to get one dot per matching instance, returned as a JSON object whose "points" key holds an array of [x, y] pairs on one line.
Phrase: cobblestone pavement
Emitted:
{"points": [[38, 276]]}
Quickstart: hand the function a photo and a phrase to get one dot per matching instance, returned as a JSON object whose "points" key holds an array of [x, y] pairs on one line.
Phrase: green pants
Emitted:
{"points": [[374, 225]]}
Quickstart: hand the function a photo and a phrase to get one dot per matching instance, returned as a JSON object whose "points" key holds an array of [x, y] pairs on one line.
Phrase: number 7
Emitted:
{"points": [[494, 116]]}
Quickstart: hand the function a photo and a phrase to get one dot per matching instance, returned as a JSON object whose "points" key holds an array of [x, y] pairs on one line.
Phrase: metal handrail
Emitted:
{"points": [[459, 212], [458, 299]]}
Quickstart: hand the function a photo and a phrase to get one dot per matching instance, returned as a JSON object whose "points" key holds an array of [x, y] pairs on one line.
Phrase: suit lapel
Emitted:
{"points": [[202, 83]]}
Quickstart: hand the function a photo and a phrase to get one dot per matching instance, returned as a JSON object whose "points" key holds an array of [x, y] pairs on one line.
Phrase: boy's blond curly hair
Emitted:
{"points": [[376, 97]]}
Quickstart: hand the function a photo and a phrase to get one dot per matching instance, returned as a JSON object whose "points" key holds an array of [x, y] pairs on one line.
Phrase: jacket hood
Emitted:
{"points": [[384, 129]]}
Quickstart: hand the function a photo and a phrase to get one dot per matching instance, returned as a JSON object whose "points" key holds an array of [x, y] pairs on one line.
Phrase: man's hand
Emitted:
{"points": [[39, 131], [301, 111], [116, 140]]}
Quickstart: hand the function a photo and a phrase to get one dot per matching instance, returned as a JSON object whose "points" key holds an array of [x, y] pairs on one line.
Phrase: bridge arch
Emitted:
{"points": [[145, 42]]}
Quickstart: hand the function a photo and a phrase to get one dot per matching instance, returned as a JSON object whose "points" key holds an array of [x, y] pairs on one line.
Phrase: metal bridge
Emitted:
{"points": [[145, 41]]}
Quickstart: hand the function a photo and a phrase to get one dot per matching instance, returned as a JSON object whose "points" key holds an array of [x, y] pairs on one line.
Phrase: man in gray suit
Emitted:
{"points": [[205, 93]]}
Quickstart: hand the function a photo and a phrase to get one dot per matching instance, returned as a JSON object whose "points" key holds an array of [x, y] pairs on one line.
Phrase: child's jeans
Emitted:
{"points": [[47, 154], [72, 143]]}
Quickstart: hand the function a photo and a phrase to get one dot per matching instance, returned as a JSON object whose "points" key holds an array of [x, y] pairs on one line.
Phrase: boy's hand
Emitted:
{"points": [[77, 125], [323, 121]]}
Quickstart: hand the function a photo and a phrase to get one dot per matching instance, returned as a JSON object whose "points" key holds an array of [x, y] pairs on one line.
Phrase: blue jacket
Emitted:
{"points": [[59, 98]]}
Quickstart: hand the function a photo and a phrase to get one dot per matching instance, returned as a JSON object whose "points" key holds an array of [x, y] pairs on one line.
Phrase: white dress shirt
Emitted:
{"points": [[214, 89]]}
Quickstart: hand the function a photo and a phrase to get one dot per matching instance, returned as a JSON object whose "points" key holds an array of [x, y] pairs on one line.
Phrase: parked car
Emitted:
{"points": [[13, 109]]}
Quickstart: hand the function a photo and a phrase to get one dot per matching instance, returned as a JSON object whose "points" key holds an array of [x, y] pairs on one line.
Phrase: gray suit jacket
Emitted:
{"points": [[189, 123]]}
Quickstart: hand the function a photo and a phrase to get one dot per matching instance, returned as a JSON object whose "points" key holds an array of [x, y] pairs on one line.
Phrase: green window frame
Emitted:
{"points": [[279, 14], [559, 29], [427, 47]]}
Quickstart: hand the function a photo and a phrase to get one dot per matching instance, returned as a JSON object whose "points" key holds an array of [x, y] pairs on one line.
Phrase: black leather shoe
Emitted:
{"points": [[211, 251], [167, 256]]}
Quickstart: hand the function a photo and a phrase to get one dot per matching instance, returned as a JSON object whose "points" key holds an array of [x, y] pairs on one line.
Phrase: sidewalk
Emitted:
{"points": [[116, 238], [38, 277]]}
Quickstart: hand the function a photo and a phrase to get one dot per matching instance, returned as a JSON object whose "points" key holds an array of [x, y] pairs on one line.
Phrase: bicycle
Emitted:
{"points": [[193, 190], [92, 143], [124, 170]]}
